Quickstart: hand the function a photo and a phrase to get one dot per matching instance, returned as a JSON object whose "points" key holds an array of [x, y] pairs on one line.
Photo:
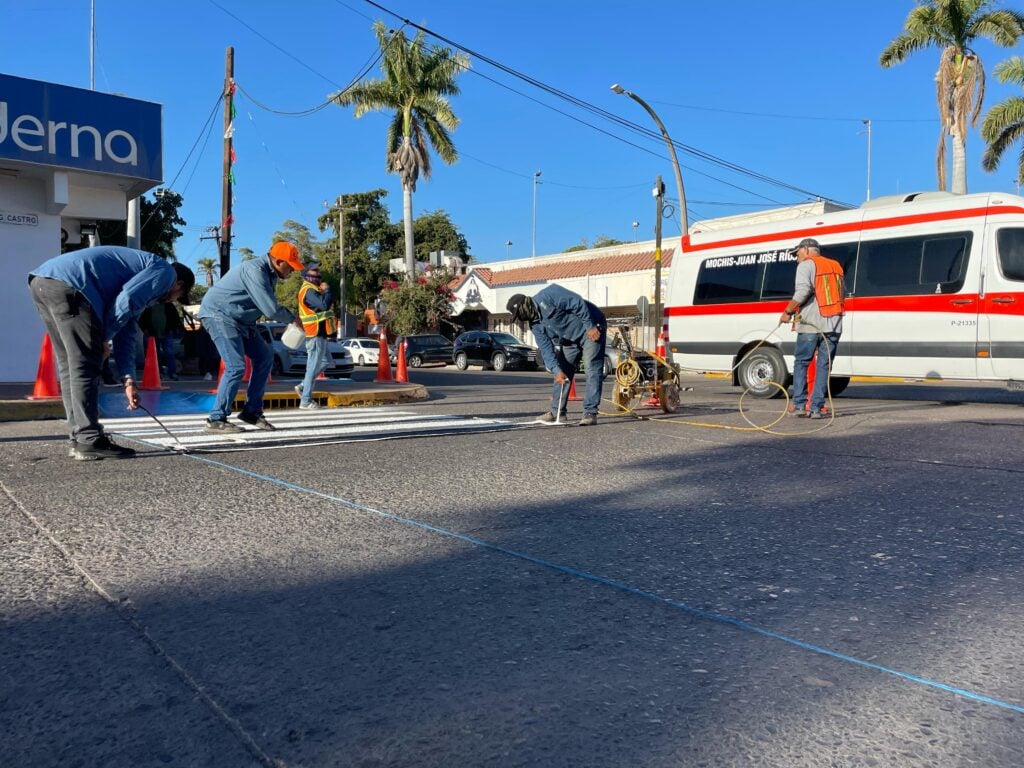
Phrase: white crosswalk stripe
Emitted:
{"points": [[295, 427]]}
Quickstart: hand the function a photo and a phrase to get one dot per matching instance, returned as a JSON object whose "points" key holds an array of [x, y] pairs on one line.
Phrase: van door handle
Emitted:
{"points": [[962, 301], [1003, 300]]}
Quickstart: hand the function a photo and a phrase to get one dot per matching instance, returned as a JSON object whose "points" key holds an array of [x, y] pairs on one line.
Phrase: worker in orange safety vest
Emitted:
{"points": [[816, 312], [316, 313]]}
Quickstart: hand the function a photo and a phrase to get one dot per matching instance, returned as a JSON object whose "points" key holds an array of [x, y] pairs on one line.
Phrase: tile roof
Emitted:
{"points": [[574, 267]]}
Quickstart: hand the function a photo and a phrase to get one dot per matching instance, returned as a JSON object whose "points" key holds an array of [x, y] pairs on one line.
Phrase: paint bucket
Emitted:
{"points": [[293, 337]]}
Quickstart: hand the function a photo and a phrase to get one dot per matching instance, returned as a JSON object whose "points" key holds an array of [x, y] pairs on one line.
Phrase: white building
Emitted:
{"points": [[68, 157]]}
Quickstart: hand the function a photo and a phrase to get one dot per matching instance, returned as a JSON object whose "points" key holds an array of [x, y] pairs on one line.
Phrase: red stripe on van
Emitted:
{"points": [[959, 303], [852, 226]]}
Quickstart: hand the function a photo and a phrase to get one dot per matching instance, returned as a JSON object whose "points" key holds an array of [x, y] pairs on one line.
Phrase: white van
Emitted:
{"points": [[935, 286]]}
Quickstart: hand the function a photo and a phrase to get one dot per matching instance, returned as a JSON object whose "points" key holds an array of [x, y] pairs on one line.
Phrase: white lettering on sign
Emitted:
{"points": [[19, 219], [30, 134], [764, 257]]}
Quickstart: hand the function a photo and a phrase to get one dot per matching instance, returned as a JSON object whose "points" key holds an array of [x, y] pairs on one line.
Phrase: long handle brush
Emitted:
{"points": [[182, 448]]}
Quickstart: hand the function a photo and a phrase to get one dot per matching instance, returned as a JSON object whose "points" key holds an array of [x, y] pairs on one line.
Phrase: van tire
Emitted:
{"points": [[838, 384], [761, 370]]}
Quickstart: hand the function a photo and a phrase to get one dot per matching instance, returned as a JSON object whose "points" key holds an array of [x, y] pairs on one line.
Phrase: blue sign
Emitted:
{"points": [[56, 125]]}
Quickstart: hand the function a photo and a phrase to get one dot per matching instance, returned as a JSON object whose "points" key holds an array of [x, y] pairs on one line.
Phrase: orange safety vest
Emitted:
{"points": [[311, 320], [828, 286]]}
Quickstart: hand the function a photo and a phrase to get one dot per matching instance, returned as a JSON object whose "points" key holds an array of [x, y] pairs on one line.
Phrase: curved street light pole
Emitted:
{"points": [[658, 194]]}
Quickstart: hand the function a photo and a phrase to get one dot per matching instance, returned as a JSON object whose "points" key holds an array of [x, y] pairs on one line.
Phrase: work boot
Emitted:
{"points": [[221, 427], [256, 420], [549, 418], [101, 448], [588, 420]]}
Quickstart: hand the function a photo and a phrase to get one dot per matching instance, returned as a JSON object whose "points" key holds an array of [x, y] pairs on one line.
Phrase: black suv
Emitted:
{"points": [[425, 348], [496, 350]]}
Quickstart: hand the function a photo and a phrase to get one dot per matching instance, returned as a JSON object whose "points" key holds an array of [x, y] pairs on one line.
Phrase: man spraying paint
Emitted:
{"points": [[566, 327]]}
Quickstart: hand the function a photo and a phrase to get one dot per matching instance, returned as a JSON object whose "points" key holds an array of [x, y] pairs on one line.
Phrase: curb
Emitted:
{"points": [[27, 410]]}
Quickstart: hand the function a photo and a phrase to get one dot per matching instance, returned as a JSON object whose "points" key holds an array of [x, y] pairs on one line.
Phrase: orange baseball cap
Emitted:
{"points": [[288, 253]]}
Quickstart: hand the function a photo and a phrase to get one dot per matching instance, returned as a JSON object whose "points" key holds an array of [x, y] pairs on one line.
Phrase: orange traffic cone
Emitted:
{"points": [[47, 386], [812, 369], [572, 392], [384, 362], [151, 373], [401, 374], [220, 375]]}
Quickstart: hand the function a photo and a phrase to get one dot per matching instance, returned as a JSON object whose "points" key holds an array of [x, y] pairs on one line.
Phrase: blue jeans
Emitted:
{"points": [[593, 362], [235, 343], [318, 358], [807, 344]]}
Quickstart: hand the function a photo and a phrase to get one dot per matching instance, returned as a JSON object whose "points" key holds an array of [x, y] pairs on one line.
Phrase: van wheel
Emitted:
{"points": [[415, 361], [498, 361], [461, 361], [838, 384], [761, 370]]}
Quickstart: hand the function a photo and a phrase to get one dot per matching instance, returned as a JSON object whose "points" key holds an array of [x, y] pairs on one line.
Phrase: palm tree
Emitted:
{"points": [[953, 26], [207, 267], [415, 85], [1004, 123]]}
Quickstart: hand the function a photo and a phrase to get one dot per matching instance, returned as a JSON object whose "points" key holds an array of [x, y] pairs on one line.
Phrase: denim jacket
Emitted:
{"points": [[119, 283], [245, 294], [565, 317]]}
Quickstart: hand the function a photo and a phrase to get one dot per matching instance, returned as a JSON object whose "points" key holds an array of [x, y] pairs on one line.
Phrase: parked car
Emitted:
{"points": [[423, 348], [294, 360], [364, 351], [494, 350], [614, 354]]}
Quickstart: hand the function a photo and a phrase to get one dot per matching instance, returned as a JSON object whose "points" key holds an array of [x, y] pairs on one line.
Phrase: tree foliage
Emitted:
{"points": [[207, 267], [435, 231], [1004, 123], [160, 224], [417, 81], [953, 26], [420, 305], [601, 241]]}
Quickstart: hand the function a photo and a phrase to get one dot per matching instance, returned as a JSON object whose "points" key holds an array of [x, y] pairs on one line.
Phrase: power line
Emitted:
{"points": [[796, 117], [605, 114]]}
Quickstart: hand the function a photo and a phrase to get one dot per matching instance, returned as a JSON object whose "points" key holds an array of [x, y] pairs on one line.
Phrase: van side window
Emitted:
{"points": [[728, 279], [912, 265], [780, 277], [1010, 244]]}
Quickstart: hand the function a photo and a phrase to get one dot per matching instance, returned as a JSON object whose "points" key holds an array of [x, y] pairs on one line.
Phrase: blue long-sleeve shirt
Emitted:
{"points": [[564, 317], [119, 283], [245, 294]]}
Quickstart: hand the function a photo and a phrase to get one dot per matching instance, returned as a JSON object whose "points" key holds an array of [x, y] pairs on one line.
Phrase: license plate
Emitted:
{"points": [[1015, 386]]}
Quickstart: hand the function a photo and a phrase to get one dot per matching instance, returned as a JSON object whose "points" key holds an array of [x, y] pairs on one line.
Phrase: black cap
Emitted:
{"points": [[514, 306], [807, 242]]}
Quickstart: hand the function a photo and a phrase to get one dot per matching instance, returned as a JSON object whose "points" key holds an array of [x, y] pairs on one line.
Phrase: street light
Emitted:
{"points": [[507, 244], [682, 200], [536, 176], [635, 225], [868, 132]]}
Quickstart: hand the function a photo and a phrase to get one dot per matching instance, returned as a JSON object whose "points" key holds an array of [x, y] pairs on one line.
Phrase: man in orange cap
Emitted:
{"points": [[230, 311]]}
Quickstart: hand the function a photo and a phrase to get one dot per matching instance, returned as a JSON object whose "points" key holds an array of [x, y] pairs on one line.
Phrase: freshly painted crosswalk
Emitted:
{"points": [[296, 428]]}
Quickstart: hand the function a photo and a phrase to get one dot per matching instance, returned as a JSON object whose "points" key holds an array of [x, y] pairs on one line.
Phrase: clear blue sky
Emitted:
{"points": [[778, 88]]}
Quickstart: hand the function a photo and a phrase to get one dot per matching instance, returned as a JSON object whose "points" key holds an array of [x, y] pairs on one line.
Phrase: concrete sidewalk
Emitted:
{"points": [[15, 404]]}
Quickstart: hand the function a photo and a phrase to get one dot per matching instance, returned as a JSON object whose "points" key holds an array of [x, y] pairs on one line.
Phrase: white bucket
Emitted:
{"points": [[293, 336]]}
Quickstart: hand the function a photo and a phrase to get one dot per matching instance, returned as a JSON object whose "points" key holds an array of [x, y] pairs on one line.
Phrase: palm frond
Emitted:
{"points": [[1002, 27], [899, 49], [1003, 126], [1010, 71]]}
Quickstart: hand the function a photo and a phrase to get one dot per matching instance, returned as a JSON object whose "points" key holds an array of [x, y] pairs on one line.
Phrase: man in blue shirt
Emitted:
{"points": [[566, 327], [84, 298], [229, 312]]}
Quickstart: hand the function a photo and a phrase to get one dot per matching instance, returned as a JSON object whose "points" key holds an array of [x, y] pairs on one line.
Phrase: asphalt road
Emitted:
{"points": [[662, 592]]}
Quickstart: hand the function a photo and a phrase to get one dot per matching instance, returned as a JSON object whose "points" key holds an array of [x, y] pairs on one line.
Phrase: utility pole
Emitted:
{"points": [[868, 131], [342, 329], [536, 176], [225, 199], [659, 206]]}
